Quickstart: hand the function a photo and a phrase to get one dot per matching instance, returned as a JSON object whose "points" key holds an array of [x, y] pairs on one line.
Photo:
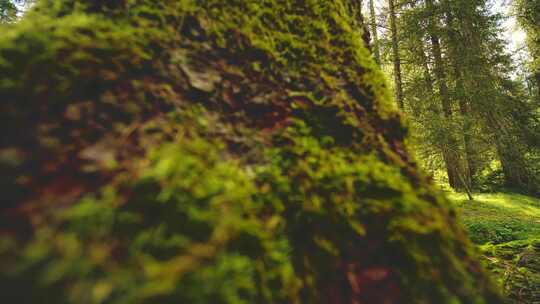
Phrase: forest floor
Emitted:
{"points": [[506, 228]]}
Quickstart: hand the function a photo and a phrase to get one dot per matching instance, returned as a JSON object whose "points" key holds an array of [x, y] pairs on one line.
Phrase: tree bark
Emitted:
{"points": [[374, 34], [470, 152], [443, 91], [395, 53], [537, 77], [450, 147], [510, 152], [461, 95]]}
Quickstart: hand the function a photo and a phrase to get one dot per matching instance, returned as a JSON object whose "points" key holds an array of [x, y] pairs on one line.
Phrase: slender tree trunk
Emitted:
{"points": [[461, 94], [374, 35], [464, 109], [470, 152], [428, 81], [453, 174], [440, 71], [516, 174], [395, 53], [537, 76], [450, 147], [424, 60], [425, 64]]}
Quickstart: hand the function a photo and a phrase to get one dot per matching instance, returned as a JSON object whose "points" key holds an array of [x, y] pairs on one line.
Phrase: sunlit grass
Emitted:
{"points": [[506, 226], [499, 217]]}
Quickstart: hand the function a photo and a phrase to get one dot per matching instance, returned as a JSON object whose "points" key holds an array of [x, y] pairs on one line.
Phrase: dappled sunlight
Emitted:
{"points": [[516, 204], [506, 226], [498, 217]]}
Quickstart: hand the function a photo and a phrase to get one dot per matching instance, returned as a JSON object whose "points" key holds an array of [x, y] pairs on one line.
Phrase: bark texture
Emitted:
{"points": [[395, 54], [374, 35], [451, 147]]}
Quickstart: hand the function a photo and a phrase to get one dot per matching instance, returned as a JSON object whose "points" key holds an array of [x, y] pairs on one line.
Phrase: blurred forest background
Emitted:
{"points": [[467, 77]]}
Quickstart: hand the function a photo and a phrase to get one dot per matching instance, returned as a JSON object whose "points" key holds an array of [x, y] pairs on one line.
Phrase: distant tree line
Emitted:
{"points": [[455, 80]]}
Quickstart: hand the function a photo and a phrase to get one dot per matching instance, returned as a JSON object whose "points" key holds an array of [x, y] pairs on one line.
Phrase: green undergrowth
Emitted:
{"points": [[506, 227], [516, 266], [188, 230], [500, 217]]}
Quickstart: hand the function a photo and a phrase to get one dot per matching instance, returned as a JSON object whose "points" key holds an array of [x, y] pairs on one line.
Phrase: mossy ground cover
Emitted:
{"points": [[506, 227], [500, 217]]}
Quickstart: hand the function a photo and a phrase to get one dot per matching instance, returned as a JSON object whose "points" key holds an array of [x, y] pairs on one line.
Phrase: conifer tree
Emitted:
{"points": [[471, 68]]}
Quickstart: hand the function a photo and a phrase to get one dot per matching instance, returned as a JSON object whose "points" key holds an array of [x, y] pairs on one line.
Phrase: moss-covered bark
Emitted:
{"points": [[213, 151]]}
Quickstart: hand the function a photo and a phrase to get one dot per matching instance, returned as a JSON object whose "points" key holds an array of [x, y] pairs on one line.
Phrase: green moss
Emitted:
{"points": [[499, 218], [187, 231], [517, 266], [506, 228]]}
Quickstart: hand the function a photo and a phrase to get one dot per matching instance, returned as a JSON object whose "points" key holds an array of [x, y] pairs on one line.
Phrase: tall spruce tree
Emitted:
{"points": [[482, 68], [450, 139]]}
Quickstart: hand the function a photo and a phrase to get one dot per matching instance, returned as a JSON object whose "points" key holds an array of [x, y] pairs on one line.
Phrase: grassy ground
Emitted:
{"points": [[506, 228], [499, 217]]}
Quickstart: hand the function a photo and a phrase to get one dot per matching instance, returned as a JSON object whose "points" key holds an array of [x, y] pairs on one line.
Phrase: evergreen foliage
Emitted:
{"points": [[8, 11], [467, 111]]}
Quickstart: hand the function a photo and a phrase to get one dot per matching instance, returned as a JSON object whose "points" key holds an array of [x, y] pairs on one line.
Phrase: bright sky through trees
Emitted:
{"points": [[513, 33]]}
